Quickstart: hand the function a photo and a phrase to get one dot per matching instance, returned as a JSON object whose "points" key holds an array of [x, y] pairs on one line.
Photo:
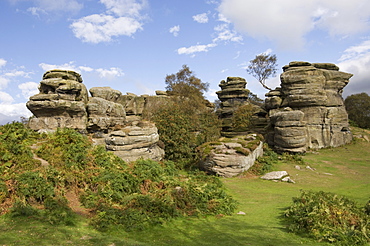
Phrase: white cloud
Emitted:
{"points": [[225, 34], [287, 22], [5, 98], [86, 69], [15, 110], [65, 66], [3, 82], [46, 6], [28, 89], [2, 62], [110, 73], [195, 49], [101, 28], [356, 60], [122, 18], [102, 73], [201, 18], [125, 7], [175, 30]]}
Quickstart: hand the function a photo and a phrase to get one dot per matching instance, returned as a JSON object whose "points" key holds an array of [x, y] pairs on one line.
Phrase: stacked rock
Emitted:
{"points": [[103, 111], [233, 94], [134, 142], [61, 102], [316, 90]]}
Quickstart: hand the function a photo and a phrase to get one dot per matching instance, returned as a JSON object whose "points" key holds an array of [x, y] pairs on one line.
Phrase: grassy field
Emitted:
{"points": [[344, 170]]}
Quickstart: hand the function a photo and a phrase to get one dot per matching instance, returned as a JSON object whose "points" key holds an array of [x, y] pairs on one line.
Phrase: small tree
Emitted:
{"points": [[262, 67], [358, 109], [184, 83]]}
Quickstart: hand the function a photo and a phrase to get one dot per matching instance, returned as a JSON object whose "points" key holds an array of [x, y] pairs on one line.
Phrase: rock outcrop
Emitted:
{"points": [[134, 142], [234, 95], [61, 102], [230, 156], [315, 90], [104, 114]]}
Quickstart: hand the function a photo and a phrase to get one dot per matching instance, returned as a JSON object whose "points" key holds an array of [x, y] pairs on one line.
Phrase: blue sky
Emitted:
{"points": [[131, 45]]}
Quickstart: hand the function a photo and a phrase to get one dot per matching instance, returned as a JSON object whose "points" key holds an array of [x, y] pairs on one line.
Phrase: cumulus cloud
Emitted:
{"points": [[287, 22], [356, 60], [110, 73], [2, 62], [65, 66], [5, 98], [201, 18], [122, 18], [14, 110], [28, 89], [3, 82], [102, 28], [224, 33], [175, 30], [195, 49], [125, 7]]}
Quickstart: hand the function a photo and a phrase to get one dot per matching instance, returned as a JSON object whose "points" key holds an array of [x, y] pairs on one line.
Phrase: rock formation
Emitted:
{"points": [[63, 102], [311, 98], [233, 95], [134, 142], [231, 156]]}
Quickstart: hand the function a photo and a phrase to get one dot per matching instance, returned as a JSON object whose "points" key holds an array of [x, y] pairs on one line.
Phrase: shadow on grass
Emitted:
{"points": [[225, 231]]}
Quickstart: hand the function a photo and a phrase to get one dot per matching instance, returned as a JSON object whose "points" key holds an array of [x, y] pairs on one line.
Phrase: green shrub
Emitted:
{"points": [[264, 163], [58, 212], [33, 186], [328, 217]]}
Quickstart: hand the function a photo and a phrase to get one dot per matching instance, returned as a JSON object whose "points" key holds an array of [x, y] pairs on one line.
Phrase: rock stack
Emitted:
{"points": [[134, 142], [61, 102], [316, 91], [233, 95]]}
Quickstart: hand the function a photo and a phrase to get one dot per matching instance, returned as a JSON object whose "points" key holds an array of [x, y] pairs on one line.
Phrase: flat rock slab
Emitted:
{"points": [[275, 175]]}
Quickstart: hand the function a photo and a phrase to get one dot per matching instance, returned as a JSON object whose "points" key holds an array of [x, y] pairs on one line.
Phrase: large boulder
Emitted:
{"points": [[61, 102], [316, 91], [104, 115], [134, 142], [230, 156]]}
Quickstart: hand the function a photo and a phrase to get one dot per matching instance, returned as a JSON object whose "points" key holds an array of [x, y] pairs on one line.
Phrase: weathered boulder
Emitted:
{"points": [[234, 95], [276, 175], [104, 115], [61, 102], [290, 131], [134, 142], [316, 91], [230, 157], [106, 93]]}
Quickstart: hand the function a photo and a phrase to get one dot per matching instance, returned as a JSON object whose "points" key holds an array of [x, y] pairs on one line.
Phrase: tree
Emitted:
{"points": [[358, 109], [184, 83], [262, 67]]}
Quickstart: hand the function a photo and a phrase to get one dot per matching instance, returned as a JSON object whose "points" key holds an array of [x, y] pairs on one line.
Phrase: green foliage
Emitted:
{"points": [[33, 186], [15, 151], [242, 117], [185, 84], [358, 109], [262, 67], [182, 128], [328, 217], [132, 197], [265, 163]]}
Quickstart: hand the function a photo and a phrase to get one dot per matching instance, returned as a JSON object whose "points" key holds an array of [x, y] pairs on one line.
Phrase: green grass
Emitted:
{"points": [[344, 170]]}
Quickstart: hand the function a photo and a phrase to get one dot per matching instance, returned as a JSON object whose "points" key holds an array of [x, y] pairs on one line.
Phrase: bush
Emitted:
{"points": [[328, 217], [130, 196], [264, 163]]}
